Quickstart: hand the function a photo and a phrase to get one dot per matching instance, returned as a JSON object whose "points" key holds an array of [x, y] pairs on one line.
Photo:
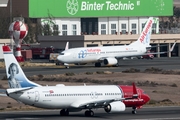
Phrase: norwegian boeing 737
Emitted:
{"points": [[113, 98], [108, 55]]}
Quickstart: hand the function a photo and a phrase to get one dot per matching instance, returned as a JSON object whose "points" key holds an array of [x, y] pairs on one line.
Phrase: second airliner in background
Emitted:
{"points": [[109, 55]]}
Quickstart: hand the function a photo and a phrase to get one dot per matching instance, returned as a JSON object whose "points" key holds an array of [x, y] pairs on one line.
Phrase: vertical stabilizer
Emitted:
{"points": [[15, 75], [145, 37]]}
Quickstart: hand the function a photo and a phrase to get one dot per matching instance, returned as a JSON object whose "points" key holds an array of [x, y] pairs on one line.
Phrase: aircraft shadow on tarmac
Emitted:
{"points": [[40, 116]]}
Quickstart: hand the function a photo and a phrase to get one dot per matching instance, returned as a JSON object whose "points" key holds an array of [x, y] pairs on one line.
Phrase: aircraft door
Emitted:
{"points": [[36, 96]]}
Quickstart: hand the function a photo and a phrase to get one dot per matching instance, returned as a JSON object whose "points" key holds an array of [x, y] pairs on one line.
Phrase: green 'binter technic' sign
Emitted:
{"points": [[99, 8]]}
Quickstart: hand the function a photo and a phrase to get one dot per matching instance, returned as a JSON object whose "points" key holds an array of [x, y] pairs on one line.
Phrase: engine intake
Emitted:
{"points": [[110, 61], [117, 106]]}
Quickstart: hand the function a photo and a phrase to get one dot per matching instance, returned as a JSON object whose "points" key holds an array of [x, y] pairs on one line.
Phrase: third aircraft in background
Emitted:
{"points": [[109, 55]]}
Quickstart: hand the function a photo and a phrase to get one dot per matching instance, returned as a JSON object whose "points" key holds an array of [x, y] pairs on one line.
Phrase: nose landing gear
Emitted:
{"points": [[134, 110]]}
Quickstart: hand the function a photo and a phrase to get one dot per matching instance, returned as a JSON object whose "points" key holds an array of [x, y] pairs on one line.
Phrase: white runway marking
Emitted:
{"points": [[28, 118], [158, 119]]}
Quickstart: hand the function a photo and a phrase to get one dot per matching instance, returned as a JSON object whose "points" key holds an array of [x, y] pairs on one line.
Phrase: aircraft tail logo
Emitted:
{"points": [[145, 36], [15, 75], [146, 33]]}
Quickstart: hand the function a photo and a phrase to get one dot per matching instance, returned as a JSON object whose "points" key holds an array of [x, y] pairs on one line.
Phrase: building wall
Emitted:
{"points": [[106, 25], [19, 8], [69, 22]]}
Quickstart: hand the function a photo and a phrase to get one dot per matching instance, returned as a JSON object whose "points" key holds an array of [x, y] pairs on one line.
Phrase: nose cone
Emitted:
{"points": [[60, 58], [146, 98]]}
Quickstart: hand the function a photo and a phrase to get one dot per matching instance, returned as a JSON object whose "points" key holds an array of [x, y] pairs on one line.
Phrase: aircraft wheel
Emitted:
{"points": [[117, 65], [134, 112], [64, 112], [67, 67], [89, 113], [98, 64]]}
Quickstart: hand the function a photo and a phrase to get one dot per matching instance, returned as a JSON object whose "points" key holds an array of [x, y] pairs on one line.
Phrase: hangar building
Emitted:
{"points": [[87, 23]]}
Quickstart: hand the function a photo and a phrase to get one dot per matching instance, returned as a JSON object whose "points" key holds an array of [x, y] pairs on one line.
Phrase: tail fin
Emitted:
{"points": [[15, 75], [145, 36], [67, 46]]}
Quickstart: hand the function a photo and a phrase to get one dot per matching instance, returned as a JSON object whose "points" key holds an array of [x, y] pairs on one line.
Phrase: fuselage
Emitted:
{"points": [[73, 96], [95, 54]]}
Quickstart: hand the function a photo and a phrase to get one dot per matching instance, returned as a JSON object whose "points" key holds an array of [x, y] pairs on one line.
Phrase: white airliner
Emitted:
{"points": [[113, 98], [109, 55]]}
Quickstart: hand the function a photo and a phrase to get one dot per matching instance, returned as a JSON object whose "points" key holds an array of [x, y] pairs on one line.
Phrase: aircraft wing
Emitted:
{"points": [[102, 58], [149, 47], [93, 103], [171, 49]]}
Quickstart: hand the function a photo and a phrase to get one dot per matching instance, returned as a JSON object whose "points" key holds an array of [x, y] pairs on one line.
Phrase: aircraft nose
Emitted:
{"points": [[146, 98], [60, 58]]}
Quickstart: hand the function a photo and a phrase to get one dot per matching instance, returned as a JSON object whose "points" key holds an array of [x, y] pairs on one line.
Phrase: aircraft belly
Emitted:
{"points": [[55, 102]]}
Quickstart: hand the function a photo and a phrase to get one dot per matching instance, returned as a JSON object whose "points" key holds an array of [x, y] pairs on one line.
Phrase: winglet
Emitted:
{"points": [[135, 94], [172, 48], [67, 46]]}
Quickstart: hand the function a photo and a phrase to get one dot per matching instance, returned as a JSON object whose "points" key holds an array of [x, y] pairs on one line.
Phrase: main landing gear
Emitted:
{"points": [[134, 110], [67, 67], [89, 113], [64, 112], [98, 64]]}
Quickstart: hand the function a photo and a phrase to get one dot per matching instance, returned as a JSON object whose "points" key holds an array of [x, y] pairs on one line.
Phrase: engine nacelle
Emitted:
{"points": [[117, 106], [110, 61]]}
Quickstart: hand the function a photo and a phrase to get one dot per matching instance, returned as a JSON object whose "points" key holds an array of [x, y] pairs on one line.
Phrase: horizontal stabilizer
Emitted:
{"points": [[14, 90], [3, 95], [3, 92]]}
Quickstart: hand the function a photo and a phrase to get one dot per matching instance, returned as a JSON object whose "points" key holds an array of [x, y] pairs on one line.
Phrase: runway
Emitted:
{"points": [[142, 64], [149, 113]]}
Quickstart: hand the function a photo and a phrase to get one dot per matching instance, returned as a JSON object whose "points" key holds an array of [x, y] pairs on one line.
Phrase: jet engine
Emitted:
{"points": [[110, 61], [117, 106]]}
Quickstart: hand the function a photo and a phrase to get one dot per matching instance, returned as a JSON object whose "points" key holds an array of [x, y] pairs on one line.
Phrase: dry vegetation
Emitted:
{"points": [[162, 86]]}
